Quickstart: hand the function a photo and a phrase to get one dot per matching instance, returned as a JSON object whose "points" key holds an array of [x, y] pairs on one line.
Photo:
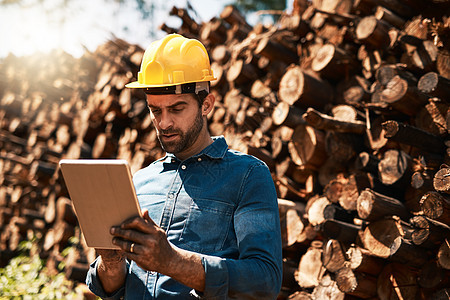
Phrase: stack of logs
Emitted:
{"points": [[346, 101]]}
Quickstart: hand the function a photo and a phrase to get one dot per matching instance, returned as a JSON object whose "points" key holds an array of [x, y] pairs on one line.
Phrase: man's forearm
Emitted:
{"points": [[187, 268], [112, 274]]}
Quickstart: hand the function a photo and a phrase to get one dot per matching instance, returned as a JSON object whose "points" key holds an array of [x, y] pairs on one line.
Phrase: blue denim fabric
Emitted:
{"points": [[221, 204]]}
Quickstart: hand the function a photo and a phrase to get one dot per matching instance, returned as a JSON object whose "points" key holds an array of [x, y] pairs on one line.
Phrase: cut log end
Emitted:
{"points": [[441, 181]]}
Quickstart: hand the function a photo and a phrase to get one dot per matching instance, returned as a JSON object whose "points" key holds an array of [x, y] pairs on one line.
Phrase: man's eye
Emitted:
{"points": [[156, 111], [175, 110]]}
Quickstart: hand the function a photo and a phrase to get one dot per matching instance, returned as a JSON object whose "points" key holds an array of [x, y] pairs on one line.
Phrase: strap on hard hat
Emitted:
{"points": [[186, 88]]}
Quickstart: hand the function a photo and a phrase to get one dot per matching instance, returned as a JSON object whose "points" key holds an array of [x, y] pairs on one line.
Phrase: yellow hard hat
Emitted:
{"points": [[171, 61]]}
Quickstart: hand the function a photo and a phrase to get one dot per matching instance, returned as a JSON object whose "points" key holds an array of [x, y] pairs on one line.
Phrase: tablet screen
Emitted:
{"points": [[103, 195]]}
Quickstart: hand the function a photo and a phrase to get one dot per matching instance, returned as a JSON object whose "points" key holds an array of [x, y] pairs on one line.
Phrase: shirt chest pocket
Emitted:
{"points": [[207, 225]]}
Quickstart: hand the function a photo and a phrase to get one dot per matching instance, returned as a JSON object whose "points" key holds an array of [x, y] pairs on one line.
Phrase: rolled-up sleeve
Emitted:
{"points": [[94, 284], [257, 273]]}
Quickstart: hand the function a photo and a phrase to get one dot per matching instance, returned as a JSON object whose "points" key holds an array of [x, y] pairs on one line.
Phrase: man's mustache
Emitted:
{"points": [[169, 131]]}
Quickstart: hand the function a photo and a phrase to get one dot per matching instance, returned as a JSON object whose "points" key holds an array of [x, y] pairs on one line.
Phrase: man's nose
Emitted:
{"points": [[165, 121]]}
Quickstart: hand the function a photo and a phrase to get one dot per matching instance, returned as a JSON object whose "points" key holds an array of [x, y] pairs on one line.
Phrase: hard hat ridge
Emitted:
{"points": [[173, 60]]}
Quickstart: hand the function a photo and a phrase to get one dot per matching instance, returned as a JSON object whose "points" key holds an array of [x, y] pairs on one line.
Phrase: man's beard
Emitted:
{"points": [[187, 139]]}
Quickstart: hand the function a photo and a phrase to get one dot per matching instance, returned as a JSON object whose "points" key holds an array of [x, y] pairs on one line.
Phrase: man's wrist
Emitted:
{"points": [[112, 273], [113, 259], [111, 265]]}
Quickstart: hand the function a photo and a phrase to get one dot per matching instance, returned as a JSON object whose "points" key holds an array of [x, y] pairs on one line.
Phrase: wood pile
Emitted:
{"points": [[54, 107], [346, 101]]}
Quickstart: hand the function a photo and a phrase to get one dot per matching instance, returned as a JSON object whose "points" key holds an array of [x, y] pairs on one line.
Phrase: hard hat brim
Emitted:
{"points": [[137, 85]]}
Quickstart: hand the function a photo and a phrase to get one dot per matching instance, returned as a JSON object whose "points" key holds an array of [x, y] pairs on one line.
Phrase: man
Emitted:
{"points": [[210, 227]]}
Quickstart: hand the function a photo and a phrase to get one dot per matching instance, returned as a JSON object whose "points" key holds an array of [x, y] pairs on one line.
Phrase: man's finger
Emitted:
{"points": [[125, 245], [146, 217], [128, 234], [137, 223], [131, 222], [144, 224]]}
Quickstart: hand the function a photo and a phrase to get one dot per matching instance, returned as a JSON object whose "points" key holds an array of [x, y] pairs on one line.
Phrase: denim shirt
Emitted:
{"points": [[221, 204]]}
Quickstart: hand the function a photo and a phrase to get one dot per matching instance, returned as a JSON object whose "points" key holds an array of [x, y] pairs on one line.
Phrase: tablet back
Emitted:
{"points": [[102, 194]]}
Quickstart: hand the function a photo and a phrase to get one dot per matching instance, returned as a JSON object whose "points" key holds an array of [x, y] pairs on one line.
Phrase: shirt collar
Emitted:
{"points": [[216, 150]]}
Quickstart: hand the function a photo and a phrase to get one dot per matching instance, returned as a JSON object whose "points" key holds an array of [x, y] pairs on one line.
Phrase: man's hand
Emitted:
{"points": [[146, 244]]}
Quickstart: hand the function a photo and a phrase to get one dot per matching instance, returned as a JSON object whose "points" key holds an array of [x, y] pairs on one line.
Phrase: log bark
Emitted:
{"points": [[373, 32], [361, 260], [336, 212], [367, 162], [287, 115], [303, 90], [232, 15], [214, 32], [192, 26], [379, 236], [324, 122], [397, 281], [275, 51], [390, 17], [334, 63], [432, 277], [423, 56], [240, 73], [428, 233], [405, 252], [435, 85], [413, 136], [375, 133], [374, 206], [330, 170], [402, 96], [341, 231], [296, 24], [342, 146], [307, 146], [442, 294]]}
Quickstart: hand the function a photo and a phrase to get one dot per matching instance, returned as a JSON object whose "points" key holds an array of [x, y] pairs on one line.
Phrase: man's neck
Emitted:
{"points": [[203, 141]]}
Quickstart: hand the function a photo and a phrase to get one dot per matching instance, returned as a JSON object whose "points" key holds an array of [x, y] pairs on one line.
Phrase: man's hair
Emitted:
{"points": [[200, 97]]}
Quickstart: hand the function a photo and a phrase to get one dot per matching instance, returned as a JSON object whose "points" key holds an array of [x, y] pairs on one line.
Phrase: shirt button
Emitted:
{"points": [[183, 167], [170, 196], [199, 159]]}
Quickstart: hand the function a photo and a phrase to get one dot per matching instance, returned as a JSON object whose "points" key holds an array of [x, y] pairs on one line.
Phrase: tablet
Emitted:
{"points": [[102, 194]]}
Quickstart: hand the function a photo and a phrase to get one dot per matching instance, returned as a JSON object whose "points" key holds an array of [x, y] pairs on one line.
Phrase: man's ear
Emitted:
{"points": [[208, 104]]}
